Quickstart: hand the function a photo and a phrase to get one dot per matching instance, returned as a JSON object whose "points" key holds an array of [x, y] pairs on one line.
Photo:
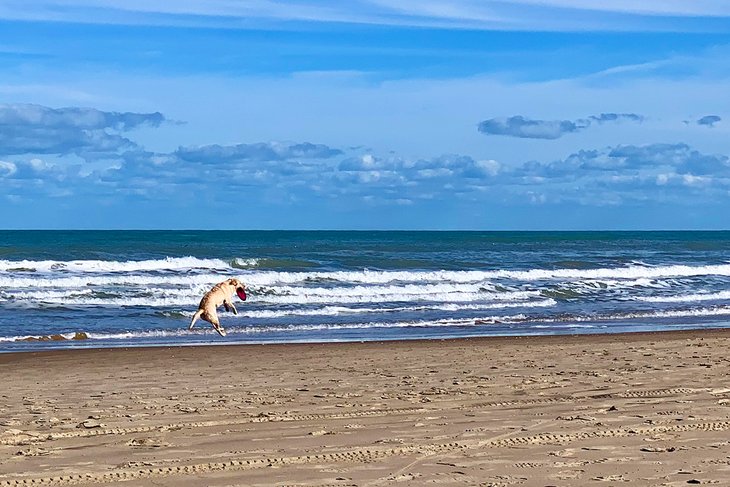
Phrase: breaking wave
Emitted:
{"points": [[686, 298], [174, 264], [577, 321], [169, 264], [297, 296]]}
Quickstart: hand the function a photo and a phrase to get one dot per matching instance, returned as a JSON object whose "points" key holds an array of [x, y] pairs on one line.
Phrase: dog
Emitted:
{"points": [[222, 293]]}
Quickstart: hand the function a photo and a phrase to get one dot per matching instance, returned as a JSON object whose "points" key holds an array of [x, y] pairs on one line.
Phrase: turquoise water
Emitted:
{"points": [[137, 288]]}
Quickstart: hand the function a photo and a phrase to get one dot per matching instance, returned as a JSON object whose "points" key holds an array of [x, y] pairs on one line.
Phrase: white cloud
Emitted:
{"points": [[692, 180], [7, 168], [709, 8], [662, 179], [473, 14], [490, 167]]}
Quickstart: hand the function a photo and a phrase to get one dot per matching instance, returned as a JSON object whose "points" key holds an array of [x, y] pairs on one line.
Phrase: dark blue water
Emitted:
{"points": [[122, 288]]}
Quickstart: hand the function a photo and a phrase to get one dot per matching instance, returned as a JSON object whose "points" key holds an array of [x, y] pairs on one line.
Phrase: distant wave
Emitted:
{"points": [[239, 263], [83, 281], [56, 271], [381, 294], [268, 263], [169, 264], [634, 273], [176, 264], [157, 297], [110, 266], [344, 310], [686, 298]]}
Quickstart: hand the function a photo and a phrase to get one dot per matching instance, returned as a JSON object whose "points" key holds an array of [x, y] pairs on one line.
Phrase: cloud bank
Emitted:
{"points": [[709, 120], [270, 151], [87, 132], [522, 127], [40, 165]]}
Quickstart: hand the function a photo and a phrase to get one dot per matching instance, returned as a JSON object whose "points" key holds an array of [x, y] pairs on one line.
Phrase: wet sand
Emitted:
{"points": [[631, 409]]}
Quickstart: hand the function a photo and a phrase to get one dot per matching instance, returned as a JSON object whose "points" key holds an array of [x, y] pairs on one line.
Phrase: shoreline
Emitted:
{"points": [[648, 408], [610, 336]]}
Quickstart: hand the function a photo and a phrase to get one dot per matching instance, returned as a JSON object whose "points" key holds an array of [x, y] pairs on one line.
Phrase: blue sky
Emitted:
{"points": [[515, 114]]}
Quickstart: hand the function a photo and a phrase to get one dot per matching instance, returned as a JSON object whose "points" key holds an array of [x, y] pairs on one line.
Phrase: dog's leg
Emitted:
{"points": [[213, 319], [195, 318], [229, 307]]}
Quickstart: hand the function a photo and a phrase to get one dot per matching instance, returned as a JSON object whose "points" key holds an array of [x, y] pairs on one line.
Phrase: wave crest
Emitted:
{"points": [[112, 266]]}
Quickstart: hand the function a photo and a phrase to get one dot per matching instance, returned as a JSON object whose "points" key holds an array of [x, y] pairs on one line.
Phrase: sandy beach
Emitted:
{"points": [[636, 409]]}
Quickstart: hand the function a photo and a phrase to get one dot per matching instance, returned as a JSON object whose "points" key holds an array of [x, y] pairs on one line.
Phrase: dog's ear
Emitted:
{"points": [[233, 282]]}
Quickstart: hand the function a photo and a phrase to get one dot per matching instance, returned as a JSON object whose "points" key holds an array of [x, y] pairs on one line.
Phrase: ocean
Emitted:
{"points": [[141, 288]]}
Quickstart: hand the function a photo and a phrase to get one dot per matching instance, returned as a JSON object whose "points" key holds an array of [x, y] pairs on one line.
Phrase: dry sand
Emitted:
{"points": [[634, 409]]}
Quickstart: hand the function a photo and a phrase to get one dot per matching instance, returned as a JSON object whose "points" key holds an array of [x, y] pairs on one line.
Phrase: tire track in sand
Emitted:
{"points": [[27, 437], [360, 455], [30, 437]]}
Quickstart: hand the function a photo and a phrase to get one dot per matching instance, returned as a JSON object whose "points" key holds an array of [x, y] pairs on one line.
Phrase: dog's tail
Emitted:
{"points": [[195, 318]]}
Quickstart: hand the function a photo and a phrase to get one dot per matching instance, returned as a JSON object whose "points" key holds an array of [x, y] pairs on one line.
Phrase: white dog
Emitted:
{"points": [[222, 293]]}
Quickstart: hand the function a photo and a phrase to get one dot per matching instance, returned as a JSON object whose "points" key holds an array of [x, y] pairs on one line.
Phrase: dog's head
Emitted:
{"points": [[239, 287]]}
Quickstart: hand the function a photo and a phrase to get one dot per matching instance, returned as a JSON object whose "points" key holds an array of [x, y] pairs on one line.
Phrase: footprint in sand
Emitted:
{"points": [[610, 478], [147, 443], [33, 452]]}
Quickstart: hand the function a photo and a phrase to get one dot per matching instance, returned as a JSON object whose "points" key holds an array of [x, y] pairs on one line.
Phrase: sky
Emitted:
{"points": [[461, 115]]}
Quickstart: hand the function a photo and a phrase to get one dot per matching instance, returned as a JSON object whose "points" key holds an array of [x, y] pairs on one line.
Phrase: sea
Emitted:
{"points": [[79, 289]]}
